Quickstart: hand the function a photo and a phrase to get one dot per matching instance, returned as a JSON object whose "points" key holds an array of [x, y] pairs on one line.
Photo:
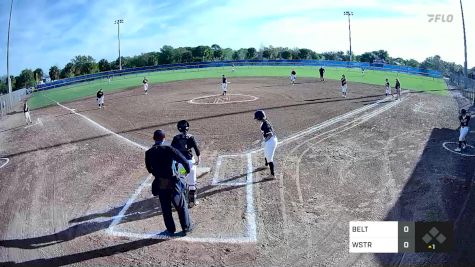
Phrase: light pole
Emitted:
{"points": [[8, 58], [118, 22], [349, 13], [465, 72]]}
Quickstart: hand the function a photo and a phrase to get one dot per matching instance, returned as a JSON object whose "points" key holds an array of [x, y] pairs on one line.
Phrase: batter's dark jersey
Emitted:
{"points": [[321, 70], [387, 84], [267, 130], [343, 81], [398, 85], [224, 80], [464, 120], [26, 108], [100, 94], [145, 81], [184, 143]]}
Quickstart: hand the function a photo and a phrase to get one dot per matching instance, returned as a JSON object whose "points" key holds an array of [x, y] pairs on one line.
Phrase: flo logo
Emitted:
{"points": [[440, 17]]}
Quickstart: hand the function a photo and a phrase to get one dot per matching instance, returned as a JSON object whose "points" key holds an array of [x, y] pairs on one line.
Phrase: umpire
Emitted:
{"points": [[170, 189]]}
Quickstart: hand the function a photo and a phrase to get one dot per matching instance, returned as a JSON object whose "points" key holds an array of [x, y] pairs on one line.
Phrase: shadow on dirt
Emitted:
{"points": [[439, 189]]}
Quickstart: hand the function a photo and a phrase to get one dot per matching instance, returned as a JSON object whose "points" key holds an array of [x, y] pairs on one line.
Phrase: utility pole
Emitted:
{"points": [[118, 22], [8, 59], [465, 71], [349, 13]]}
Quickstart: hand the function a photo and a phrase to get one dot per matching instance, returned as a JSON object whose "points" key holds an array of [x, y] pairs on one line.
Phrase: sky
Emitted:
{"points": [[49, 32]]}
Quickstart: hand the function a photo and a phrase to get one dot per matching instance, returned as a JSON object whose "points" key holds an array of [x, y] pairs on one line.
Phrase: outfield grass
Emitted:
{"points": [[87, 89]]}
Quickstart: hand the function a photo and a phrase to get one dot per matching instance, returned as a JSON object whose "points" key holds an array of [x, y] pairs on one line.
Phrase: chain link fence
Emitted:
{"points": [[8, 102], [464, 84]]}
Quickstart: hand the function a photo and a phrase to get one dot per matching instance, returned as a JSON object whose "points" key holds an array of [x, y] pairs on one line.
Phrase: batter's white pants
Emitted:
{"points": [[224, 87], [100, 101], [145, 87], [191, 177], [344, 88], [269, 148], [27, 117], [293, 78], [388, 90], [463, 133]]}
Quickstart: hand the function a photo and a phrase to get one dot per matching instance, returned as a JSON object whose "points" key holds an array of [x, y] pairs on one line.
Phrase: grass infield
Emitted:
{"points": [[88, 89]]}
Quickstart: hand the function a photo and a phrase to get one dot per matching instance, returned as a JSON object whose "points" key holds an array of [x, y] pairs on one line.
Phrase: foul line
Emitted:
{"points": [[6, 162]]}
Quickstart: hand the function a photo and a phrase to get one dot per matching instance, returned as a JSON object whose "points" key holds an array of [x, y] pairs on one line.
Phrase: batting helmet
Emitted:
{"points": [[259, 115], [183, 126], [463, 111]]}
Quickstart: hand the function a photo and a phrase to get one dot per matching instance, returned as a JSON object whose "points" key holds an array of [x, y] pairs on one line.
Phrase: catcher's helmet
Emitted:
{"points": [[183, 126], [259, 115], [463, 112]]}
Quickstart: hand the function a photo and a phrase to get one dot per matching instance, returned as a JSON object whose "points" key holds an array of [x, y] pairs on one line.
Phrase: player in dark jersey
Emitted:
{"points": [[270, 140], [145, 85], [398, 89], [185, 142], [322, 71], [388, 88], [100, 98], [224, 85], [344, 86], [464, 119]]}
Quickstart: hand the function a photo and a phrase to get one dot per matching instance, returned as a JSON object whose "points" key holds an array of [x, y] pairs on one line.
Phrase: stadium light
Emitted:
{"points": [[465, 71], [8, 58], [118, 22], [349, 13]]}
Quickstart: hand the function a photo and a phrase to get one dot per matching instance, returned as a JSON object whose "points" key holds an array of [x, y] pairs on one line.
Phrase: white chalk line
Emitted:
{"points": [[218, 101], [6, 162], [250, 211], [129, 202], [38, 121], [444, 145]]}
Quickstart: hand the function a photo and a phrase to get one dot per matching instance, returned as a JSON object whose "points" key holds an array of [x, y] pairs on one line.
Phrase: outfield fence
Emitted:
{"points": [[237, 63], [8, 103], [464, 84]]}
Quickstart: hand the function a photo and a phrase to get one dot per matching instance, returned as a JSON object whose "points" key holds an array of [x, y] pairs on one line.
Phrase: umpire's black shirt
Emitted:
{"points": [[159, 159]]}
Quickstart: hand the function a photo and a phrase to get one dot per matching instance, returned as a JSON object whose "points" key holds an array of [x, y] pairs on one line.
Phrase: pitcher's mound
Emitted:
{"points": [[222, 99]]}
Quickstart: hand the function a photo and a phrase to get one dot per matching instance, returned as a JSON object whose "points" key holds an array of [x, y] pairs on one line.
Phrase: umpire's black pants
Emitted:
{"points": [[174, 195]]}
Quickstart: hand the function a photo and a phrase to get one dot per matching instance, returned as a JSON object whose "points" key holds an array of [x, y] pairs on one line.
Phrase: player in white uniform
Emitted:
{"points": [[185, 142], [224, 85], [293, 77], [145, 85], [100, 98], [270, 140], [464, 119], [344, 86], [388, 88], [26, 110]]}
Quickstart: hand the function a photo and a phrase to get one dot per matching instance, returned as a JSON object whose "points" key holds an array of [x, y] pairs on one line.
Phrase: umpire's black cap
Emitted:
{"points": [[158, 135]]}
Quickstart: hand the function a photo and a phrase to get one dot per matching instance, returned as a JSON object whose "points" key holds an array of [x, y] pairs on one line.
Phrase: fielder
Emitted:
{"points": [[270, 141], [322, 71], [388, 88], [145, 85], [100, 98], [224, 85], [184, 142], [344, 86], [464, 119], [398, 89], [293, 77], [26, 111]]}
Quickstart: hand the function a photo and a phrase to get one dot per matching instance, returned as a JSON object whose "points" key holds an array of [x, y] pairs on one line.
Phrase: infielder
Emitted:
{"points": [[344, 86], [398, 89], [224, 85], [388, 88], [322, 71], [293, 77], [185, 142], [270, 140], [145, 85], [464, 119], [26, 111], [100, 98]]}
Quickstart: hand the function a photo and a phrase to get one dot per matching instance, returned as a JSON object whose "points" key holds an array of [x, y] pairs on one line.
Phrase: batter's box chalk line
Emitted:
{"points": [[3, 162], [250, 234], [448, 146]]}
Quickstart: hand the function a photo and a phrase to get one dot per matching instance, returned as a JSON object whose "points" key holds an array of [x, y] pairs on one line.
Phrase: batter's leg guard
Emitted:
{"points": [[266, 161], [271, 165], [191, 198]]}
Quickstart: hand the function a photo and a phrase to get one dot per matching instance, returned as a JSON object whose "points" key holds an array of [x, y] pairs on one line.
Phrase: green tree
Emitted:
{"points": [[104, 65], [227, 54], [26, 79], [84, 65], [236, 55], [305, 53], [367, 57], [266, 53], [286, 54], [3, 85], [38, 75], [217, 52], [54, 73], [186, 57], [251, 53], [412, 63], [67, 71], [166, 54]]}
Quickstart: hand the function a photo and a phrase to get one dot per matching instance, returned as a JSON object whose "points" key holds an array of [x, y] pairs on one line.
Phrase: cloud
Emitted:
{"points": [[46, 32]]}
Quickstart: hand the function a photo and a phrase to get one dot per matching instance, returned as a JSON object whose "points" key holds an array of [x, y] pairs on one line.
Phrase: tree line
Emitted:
{"points": [[82, 64]]}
